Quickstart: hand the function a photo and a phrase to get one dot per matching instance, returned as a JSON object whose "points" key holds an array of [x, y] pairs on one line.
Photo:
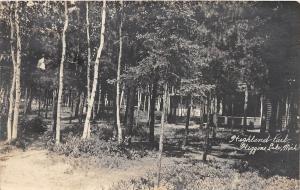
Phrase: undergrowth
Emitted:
{"points": [[101, 148], [207, 176]]}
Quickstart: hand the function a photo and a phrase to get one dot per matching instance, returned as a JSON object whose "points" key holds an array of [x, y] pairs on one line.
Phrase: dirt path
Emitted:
{"points": [[39, 170]]}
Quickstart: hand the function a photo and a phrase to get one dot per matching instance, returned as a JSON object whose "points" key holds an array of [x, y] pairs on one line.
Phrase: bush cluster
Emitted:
{"points": [[33, 126], [76, 147], [101, 145]]}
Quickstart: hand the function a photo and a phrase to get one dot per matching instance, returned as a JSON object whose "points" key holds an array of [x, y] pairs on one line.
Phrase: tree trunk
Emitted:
{"points": [[12, 89], [61, 76], [88, 86], [126, 103], [54, 112], [46, 106], [287, 109], [122, 97], [71, 107], [161, 136], [98, 102], [130, 115], [215, 118], [187, 123], [207, 130], [245, 108], [102, 102], [262, 115], [278, 115], [81, 107], [28, 104], [152, 111], [76, 111], [18, 75], [144, 102], [95, 106], [118, 122], [86, 130], [139, 100], [272, 129], [148, 106]]}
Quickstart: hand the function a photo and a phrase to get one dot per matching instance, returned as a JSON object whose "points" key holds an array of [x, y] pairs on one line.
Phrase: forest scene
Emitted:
{"points": [[160, 95]]}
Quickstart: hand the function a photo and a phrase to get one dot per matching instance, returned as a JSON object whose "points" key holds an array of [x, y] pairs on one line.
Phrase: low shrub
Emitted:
{"points": [[102, 131], [33, 126], [100, 147], [207, 176]]}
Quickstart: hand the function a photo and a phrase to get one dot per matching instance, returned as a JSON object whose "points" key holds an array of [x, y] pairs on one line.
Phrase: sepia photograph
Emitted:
{"points": [[149, 95]]}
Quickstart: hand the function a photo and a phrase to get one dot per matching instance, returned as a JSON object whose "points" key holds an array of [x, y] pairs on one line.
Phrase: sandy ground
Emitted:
{"points": [[39, 170]]}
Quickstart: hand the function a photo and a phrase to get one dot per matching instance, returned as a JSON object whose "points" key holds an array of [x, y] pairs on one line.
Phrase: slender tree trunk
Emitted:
{"points": [[220, 107], [95, 107], [81, 107], [76, 111], [12, 89], [118, 122], [261, 109], [46, 106], [88, 52], [152, 111], [207, 130], [158, 103], [161, 136], [286, 118], [99, 101], [86, 130], [18, 75], [71, 107], [61, 76], [168, 107], [181, 110], [139, 100], [187, 123], [139, 97], [277, 114], [29, 103], [122, 97], [54, 112], [245, 108], [102, 102], [144, 102], [148, 106], [130, 115], [215, 118], [3, 94], [26, 101]]}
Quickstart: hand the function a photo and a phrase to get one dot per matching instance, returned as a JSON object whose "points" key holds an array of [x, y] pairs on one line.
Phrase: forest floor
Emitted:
{"points": [[36, 168]]}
